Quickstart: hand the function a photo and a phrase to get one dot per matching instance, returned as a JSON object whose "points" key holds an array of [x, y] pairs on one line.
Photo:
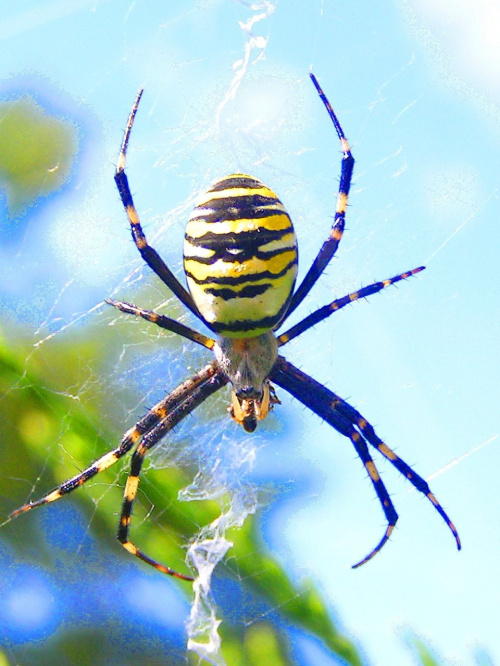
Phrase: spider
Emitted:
{"points": [[240, 261]]}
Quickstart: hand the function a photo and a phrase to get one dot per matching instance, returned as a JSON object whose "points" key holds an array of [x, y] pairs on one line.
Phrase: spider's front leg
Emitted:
{"points": [[195, 391], [349, 422], [107, 460], [144, 435]]}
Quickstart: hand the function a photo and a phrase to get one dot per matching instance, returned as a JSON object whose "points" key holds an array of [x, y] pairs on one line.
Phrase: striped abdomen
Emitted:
{"points": [[240, 257]]}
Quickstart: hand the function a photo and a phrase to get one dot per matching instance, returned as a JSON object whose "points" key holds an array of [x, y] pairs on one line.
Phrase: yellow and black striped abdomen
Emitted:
{"points": [[240, 257]]}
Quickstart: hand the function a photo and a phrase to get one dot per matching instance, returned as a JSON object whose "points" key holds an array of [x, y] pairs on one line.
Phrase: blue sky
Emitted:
{"points": [[416, 88]]}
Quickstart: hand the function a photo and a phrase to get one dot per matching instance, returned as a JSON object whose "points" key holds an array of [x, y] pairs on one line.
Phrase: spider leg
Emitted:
{"points": [[190, 400], [324, 312], [107, 460], [403, 468], [130, 439], [150, 256], [382, 494], [331, 244], [344, 418], [164, 322]]}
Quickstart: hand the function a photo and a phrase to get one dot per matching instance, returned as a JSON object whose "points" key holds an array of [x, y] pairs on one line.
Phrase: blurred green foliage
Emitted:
{"points": [[425, 655], [36, 152], [37, 408], [49, 430]]}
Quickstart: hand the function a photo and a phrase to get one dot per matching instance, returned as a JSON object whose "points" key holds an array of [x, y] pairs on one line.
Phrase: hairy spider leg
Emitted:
{"points": [[177, 402], [324, 312], [192, 398], [344, 418], [130, 439], [403, 468], [331, 244], [164, 322], [149, 254]]}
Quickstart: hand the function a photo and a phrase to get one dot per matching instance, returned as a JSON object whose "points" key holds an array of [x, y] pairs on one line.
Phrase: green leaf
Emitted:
{"points": [[36, 152]]}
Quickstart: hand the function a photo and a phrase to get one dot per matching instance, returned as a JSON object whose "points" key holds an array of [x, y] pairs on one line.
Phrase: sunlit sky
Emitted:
{"points": [[416, 87]]}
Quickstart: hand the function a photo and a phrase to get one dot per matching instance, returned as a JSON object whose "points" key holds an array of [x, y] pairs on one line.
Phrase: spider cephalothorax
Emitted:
{"points": [[240, 260], [247, 363]]}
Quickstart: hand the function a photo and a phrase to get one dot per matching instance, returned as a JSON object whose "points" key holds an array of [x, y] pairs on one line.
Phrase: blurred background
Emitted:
{"points": [[226, 82]]}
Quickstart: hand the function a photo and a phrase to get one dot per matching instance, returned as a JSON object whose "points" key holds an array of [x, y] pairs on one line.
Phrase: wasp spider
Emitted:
{"points": [[240, 261]]}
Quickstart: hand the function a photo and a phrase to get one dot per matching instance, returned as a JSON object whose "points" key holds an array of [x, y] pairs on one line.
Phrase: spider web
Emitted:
{"points": [[238, 120], [237, 128]]}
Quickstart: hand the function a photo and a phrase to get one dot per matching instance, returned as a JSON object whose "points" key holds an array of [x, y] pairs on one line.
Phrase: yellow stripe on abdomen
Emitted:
{"points": [[240, 257]]}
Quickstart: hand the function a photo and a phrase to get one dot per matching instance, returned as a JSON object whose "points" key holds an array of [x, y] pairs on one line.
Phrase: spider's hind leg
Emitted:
{"points": [[148, 253], [331, 244]]}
